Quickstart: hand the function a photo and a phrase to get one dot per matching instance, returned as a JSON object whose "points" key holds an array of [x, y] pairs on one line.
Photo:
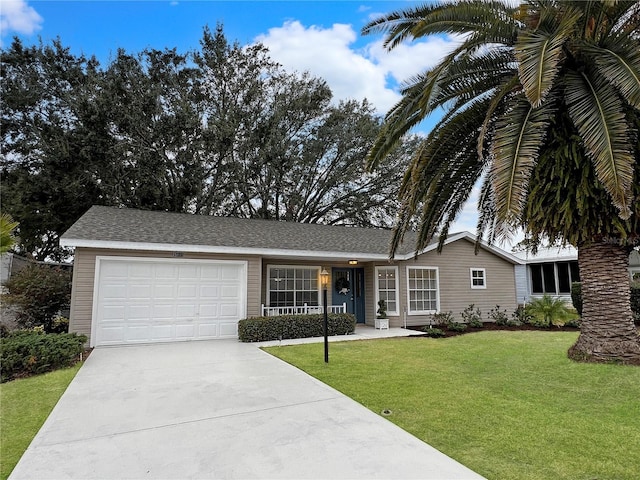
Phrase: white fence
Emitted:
{"points": [[302, 310]]}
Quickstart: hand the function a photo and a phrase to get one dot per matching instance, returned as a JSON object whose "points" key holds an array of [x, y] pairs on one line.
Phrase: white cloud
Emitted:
{"points": [[371, 73], [17, 16]]}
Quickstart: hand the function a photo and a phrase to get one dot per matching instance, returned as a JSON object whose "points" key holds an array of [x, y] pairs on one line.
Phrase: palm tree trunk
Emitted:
{"points": [[607, 332]]}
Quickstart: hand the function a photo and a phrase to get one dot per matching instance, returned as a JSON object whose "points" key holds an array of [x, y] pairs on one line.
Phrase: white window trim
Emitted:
{"points": [[308, 267], [484, 278], [633, 271], [423, 312], [391, 313]]}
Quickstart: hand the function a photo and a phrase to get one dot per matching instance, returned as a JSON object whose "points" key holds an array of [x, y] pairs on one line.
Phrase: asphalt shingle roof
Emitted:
{"points": [[111, 224]]}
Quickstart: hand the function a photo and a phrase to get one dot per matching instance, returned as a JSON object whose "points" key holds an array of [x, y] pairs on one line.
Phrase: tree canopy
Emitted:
{"points": [[223, 130]]}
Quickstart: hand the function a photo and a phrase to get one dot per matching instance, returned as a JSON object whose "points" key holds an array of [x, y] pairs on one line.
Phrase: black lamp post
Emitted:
{"points": [[324, 278]]}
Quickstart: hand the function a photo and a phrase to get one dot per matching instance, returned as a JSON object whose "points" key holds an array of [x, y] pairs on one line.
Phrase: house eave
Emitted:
{"points": [[216, 249]]}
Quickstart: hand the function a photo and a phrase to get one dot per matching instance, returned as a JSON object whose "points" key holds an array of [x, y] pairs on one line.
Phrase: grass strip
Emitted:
{"points": [[25, 404]]}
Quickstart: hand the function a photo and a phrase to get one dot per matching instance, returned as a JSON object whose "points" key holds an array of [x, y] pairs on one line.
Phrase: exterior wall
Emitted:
{"points": [[266, 262], [84, 276], [522, 283], [454, 282]]}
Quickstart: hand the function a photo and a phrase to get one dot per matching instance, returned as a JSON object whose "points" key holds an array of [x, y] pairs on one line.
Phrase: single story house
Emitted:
{"points": [[145, 276]]}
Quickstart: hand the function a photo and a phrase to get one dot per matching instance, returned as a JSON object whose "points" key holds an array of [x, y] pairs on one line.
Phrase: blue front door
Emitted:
{"points": [[348, 287]]}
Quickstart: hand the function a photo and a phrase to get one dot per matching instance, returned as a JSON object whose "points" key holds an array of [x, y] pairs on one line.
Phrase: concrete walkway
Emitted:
{"points": [[217, 409]]}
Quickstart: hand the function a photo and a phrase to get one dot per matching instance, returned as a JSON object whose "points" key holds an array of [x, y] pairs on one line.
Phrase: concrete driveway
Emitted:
{"points": [[217, 409]]}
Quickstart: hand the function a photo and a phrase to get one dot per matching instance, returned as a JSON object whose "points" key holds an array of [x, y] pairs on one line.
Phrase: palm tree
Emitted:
{"points": [[7, 239], [542, 106]]}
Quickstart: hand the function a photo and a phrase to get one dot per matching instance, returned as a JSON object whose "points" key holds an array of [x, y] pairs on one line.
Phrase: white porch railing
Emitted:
{"points": [[302, 310]]}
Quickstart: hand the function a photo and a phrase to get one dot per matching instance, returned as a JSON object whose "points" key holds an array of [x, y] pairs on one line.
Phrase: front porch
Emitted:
{"points": [[304, 309]]}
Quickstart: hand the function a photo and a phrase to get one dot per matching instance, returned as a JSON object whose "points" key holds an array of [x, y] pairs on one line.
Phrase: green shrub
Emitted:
{"points": [[433, 332], [546, 311], [472, 316], [261, 329], [520, 316], [39, 292], [456, 326], [572, 322], [442, 319], [576, 296], [498, 316], [29, 352], [59, 324]]}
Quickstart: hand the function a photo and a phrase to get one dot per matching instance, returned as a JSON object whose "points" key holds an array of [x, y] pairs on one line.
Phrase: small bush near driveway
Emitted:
{"points": [[29, 352], [261, 329]]}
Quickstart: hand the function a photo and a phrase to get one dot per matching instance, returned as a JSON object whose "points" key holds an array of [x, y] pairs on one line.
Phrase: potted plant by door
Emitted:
{"points": [[381, 319]]}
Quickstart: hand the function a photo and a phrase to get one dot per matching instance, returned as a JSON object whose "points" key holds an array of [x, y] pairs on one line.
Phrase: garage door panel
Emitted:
{"points": [[188, 291], [210, 272], [167, 300], [113, 313], [111, 335], [115, 270], [229, 273], [162, 332], [142, 291], [164, 310], [164, 291], [114, 291], [185, 331], [137, 333], [141, 270], [228, 329], [230, 291], [229, 310], [209, 291], [139, 313], [188, 272]]}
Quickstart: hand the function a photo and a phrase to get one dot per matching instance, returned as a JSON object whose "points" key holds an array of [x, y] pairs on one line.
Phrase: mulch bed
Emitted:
{"points": [[493, 326]]}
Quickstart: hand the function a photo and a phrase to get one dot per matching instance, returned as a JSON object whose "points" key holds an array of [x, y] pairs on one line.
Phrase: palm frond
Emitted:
{"points": [[519, 134], [540, 54], [618, 60], [441, 175], [449, 18], [597, 112]]}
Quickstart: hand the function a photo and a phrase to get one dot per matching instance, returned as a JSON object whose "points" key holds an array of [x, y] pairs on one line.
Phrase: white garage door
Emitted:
{"points": [[152, 300]]}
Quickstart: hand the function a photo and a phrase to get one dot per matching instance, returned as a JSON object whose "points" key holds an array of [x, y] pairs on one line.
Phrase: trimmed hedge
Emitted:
{"points": [[260, 329], [576, 297], [28, 352]]}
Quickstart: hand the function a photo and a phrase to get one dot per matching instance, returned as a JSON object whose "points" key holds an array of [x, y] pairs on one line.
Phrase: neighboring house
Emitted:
{"points": [[552, 271], [10, 264], [142, 276]]}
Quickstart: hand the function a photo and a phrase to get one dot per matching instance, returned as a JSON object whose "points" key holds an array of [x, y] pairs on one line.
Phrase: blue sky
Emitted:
{"points": [[322, 37]]}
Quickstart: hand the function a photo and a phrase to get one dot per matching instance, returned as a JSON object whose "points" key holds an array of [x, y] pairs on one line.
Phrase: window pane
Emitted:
{"points": [[549, 278], [536, 279], [423, 289], [293, 287], [564, 282]]}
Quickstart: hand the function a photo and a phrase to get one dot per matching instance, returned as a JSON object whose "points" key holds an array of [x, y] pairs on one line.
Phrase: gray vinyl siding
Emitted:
{"points": [[84, 275], [522, 284], [454, 264]]}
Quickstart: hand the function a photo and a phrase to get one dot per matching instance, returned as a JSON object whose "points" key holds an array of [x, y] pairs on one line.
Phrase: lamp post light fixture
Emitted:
{"points": [[324, 279]]}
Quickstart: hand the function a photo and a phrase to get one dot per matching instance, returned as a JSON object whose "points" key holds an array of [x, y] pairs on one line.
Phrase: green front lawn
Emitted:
{"points": [[24, 406], [509, 405]]}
